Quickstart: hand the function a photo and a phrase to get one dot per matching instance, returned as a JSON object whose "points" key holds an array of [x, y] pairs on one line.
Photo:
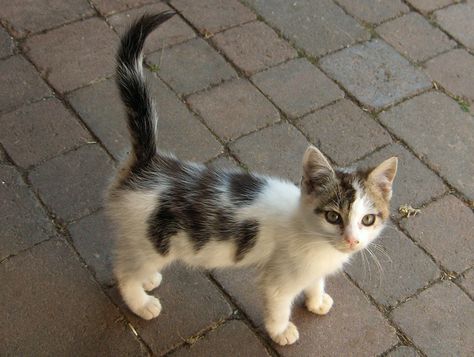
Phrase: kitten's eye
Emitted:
{"points": [[333, 217], [368, 220]]}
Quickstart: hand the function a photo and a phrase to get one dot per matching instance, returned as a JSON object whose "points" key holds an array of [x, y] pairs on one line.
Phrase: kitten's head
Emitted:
{"points": [[348, 207]]}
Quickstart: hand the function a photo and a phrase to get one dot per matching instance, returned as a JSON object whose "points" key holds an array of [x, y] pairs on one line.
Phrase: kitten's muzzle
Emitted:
{"points": [[351, 241]]}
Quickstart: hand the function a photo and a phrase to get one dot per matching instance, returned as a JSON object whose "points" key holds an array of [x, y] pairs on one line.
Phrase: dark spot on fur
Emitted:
{"points": [[195, 204], [246, 237], [244, 188], [341, 194], [346, 189], [162, 226]]}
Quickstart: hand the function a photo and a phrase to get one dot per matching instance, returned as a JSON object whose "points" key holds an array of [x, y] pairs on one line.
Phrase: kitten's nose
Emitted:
{"points": [[351, 240]]}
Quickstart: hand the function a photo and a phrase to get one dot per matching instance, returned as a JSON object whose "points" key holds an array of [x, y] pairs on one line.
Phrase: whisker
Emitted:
{"points": [[383, 251], [379, 266], [363, 264]]}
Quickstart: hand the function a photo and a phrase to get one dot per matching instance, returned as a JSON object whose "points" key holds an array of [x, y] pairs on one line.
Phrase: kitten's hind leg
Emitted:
{"points": [[136, 273], [142, 304], [153, 281]]}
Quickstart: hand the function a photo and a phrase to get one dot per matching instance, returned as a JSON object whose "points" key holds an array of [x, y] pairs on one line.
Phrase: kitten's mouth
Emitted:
{"points": [[348, 249]]}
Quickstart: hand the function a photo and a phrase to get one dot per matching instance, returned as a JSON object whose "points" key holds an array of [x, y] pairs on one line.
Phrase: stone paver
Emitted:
{"points": [[468, 282], [3, 156], [414, 184], [212, 16], [426, 6], [361, 331], [20, 83], [23, 221], [24, 16], [457, 20], [439, 321], [405, 268], [432, 118], [191, 303], [258, 151], [253, 47], [413, 36], [453, 71], [447, 236], [403, 351], [51, 307], [223, 161], [375, 74], [191, 66], [107, 7], [93, 238], [234, 108], [232, 339], [297, 87], [355, 132], [372, 11], [179, 131], [40, 131], [299, 21], [106, 118], [83, 52], [66, 194], [172, 32], [7, 46]]}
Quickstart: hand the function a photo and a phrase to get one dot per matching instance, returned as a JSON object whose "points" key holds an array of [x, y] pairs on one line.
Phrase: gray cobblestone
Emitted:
{"points": [[191, 66], [375, 74], [20, 83], [457, 20], [374, 11], [23, 221], [40, 131], [453, 72], [413, 36], [425, 120], [299, 21], [297, 87], [443, 310], [212, 16], [344, 122]]}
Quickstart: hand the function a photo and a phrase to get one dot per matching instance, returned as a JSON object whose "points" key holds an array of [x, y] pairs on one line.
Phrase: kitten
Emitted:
{"points": [[165, 209]]}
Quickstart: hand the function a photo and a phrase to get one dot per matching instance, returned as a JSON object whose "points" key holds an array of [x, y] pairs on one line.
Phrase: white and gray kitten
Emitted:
{"points": [[167, 210]]}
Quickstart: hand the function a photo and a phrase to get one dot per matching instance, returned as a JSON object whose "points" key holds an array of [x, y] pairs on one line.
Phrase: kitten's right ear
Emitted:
{"points": [[317, 171]]}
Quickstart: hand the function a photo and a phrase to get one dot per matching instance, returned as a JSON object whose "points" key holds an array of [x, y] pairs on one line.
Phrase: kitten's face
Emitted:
{"points": [[348, 208]]}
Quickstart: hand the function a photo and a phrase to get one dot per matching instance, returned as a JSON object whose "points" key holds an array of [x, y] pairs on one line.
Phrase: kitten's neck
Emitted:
{"points": [[279, 203]]}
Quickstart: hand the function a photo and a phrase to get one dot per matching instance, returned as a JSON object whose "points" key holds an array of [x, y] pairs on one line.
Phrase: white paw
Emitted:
{"points": [[287, 337], [320, 307], [153, 282], [150, 310]]}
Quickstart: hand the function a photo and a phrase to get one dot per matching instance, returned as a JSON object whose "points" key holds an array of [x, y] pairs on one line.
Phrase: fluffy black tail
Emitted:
{"points": [[133, 88]]}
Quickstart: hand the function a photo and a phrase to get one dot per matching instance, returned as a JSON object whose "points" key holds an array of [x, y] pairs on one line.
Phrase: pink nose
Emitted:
{"points": [[351, 240]]}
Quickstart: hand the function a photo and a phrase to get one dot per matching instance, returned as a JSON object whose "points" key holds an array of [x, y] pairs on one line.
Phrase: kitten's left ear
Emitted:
{"points": [[383, 175]]}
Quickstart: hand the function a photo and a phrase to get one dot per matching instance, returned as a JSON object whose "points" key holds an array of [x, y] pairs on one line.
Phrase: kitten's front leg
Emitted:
{"points": [[277, 317], [317, 301]]}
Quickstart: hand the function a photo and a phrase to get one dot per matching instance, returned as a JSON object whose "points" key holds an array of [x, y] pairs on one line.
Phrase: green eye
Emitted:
{"points": [[333, 217], [368, 220]]}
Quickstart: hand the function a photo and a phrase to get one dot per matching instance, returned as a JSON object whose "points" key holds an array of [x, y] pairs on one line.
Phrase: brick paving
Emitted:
{"points": [[249, 83]]}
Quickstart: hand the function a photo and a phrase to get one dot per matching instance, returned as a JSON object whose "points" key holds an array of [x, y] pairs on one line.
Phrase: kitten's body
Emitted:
{"points": [[166, 210]]}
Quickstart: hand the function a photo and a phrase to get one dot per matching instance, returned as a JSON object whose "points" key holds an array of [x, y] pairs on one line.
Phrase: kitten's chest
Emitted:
{"points": [[324, 262]]}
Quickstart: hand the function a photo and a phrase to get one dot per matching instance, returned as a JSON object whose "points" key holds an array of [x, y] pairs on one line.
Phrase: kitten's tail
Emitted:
{"points": [[140, 108]]}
